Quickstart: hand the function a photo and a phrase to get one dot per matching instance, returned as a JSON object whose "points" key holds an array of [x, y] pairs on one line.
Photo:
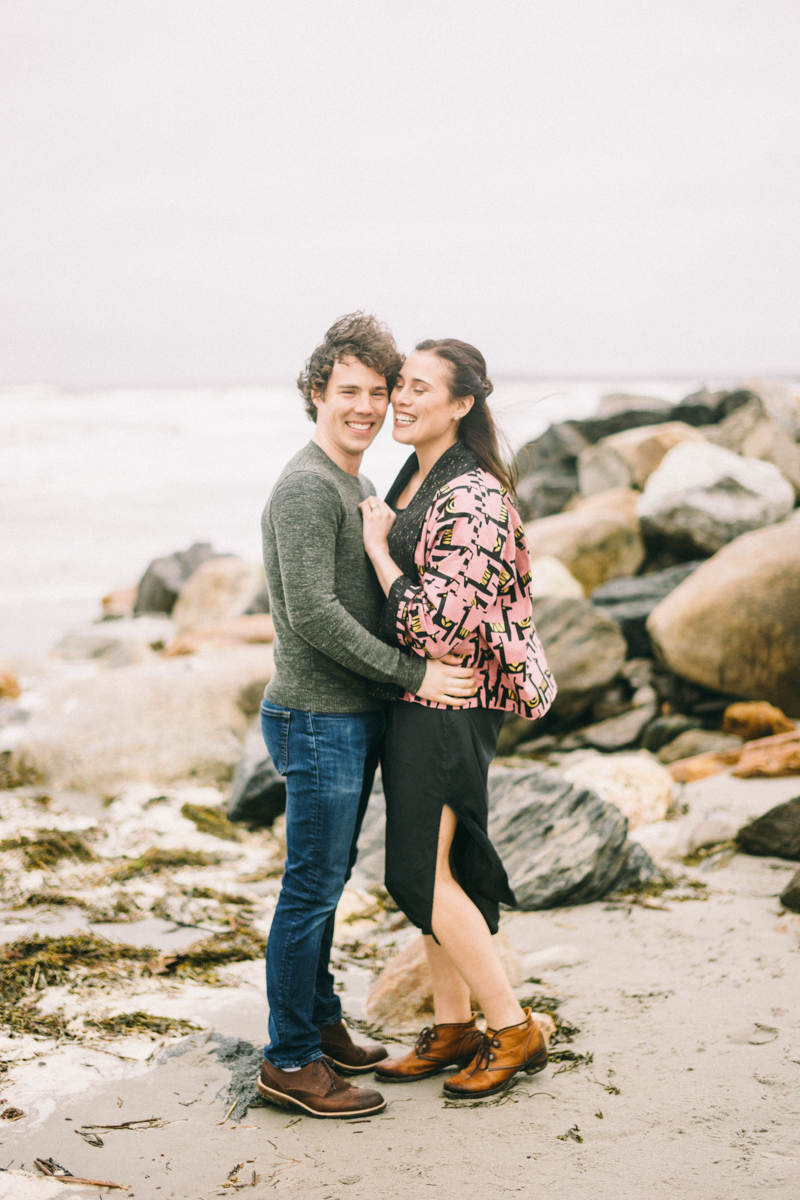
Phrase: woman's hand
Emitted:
{"points": [[378, 520]]}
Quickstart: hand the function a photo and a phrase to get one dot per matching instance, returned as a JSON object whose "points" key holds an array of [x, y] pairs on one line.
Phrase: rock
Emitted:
{"points": [[630, 602], [790, 896], [618, 732], [703, 766], [594, 429], [716, 827], [258, 792], [259, 603], [594, 545], [116, 643], [637, 785], [770, 757], [702, 496], [401, 998], [548, 471], [628, 459], [162, 581], [751, 719], [584, 648], [560, 844], [549, 577], [665, 729], [706, 408], [238, 631], [120, 601], [9, 686], [750, 431], [219, 590], [621, 501], [748, 646], [781, 400], [776, 833], [638, 672], [552, 959], [159, 722], [621, 403], [692, 742]]}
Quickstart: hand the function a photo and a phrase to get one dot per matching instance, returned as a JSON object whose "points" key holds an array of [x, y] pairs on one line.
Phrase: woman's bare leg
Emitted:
{"points": [[465, 949]]}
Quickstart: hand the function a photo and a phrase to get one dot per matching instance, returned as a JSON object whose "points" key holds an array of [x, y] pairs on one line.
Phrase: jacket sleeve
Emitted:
{"points": [[463, 569]]}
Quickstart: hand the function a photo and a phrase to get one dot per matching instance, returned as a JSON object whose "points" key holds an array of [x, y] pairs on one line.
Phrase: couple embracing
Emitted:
{"points": [[403, 635]]}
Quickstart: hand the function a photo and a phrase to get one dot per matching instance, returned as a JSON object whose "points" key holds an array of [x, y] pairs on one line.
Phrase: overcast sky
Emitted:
{"points": [[192, 190]]}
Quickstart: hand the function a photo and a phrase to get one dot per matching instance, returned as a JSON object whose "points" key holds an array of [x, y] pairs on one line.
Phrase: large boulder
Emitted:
{"points": [[560, 844], [630, 602], [549, 577], [702, 496], [776, 833], [751, 432], [615, 404], [548, 471], [161, 583], [159, 722], [117, 643], [258, 792], [594, 543], [628, 459], [219, 590], [635, 783], [734, 624], [584, 648]]}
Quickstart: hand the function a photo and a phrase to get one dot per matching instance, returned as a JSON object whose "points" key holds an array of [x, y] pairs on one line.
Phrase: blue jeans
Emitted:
{"points": [[329, 761]]}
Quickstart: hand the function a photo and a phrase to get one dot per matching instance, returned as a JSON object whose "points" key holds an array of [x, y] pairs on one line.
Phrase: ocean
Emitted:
{"points": [[95, 484]]}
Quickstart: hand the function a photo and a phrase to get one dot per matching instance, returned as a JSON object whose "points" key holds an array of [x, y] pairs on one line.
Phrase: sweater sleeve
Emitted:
{"points": [[462, 572], [305, 512]]}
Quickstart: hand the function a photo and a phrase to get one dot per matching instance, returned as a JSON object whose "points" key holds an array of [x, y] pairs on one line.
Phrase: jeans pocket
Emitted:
{"points": [[275, 728]]}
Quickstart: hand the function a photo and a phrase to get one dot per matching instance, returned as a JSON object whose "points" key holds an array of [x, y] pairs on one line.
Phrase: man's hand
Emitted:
{"points": [[448, 683]]}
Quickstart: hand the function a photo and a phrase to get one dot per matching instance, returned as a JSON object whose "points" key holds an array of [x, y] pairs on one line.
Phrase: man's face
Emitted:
{"points": [[353, 407]]}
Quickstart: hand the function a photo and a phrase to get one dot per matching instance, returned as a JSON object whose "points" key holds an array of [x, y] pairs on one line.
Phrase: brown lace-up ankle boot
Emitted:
{"points": [[503, 1052], [438, 1047]]}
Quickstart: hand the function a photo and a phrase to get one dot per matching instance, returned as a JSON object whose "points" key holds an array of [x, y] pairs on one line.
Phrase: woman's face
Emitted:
{"points": [[423, 409]]}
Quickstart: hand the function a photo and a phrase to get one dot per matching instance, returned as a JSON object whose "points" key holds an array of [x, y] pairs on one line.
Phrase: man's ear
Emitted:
{"points": [[317, 398]]}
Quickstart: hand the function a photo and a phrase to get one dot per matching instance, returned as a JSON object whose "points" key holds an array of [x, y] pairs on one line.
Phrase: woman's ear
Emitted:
{"points": [[463, 404]]}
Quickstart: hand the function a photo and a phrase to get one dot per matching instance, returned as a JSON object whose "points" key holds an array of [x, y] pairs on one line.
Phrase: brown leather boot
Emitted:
{"points": [[345, 1054], [502, 1054], [316, 1089], [438, 1047]]}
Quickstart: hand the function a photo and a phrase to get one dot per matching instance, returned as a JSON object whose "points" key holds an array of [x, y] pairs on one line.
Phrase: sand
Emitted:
{"points": [[688, 1009]]}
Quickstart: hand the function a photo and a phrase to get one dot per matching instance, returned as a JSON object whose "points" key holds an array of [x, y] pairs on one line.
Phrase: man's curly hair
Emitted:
{"points": [[359, 335]]}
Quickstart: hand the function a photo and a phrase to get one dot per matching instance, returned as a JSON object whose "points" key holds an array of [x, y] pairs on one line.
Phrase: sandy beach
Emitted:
{"points": [[685, 1081]]}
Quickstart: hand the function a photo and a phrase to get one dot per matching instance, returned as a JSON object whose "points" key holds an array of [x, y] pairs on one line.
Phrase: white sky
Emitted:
{"points": [[192, 190]]}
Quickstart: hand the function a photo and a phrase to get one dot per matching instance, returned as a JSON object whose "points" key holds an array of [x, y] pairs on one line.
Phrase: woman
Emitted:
{"points": [[449, 550]]}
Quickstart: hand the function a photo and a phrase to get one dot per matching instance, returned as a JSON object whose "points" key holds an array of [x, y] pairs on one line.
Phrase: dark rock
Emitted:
{"points": [[259, 603], [776, 834], [545, 492], [709, 408], [548, 470], [630, 602], [593, 429], [790, 897], [584, 647], [258, 793], [560, 844], [664, 730], [692, 742], [618, 732], [162, 581]]}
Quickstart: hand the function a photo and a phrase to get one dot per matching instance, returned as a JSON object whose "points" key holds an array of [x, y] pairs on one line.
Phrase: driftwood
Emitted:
{"points": [[103, 1183]]}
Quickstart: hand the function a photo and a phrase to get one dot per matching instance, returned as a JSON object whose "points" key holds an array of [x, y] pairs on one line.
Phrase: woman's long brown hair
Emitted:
{"points": [[477, 429]]}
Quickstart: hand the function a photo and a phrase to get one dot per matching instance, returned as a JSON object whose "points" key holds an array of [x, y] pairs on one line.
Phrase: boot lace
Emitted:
{"points": [[425, 1038], [484, 1054]]}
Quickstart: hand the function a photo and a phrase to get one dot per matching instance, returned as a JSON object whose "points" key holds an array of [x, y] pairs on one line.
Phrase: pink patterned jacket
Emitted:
{"points": [[472, 596]]}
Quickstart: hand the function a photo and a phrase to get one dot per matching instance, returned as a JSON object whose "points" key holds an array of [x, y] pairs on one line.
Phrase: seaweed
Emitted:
{"points": [[140, 1022], [573, 1134], [48, 847], [33, 960], [13, 775], [570, 1060], [240, 944], [207, 893], [539, 1002], [654, 889], [211, 819], [154, 861]]}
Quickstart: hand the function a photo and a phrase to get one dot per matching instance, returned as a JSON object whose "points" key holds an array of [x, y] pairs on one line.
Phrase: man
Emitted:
{"points": [[322, 721]]}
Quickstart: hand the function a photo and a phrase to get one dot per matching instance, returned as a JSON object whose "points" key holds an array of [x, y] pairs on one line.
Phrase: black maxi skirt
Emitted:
{"points": [[432, 757]]}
